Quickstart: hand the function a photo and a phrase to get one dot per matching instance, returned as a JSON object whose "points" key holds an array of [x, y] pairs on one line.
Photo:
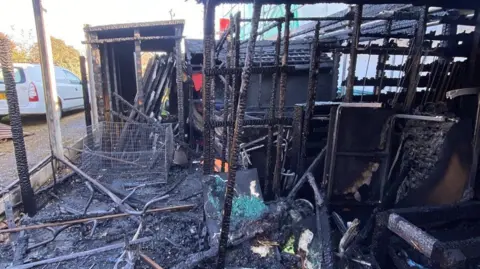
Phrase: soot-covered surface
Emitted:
{"points": [[173, 236]]}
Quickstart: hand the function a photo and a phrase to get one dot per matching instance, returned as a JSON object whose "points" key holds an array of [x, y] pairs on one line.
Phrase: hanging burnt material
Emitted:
{"points": [[312, 87], [357, 21], [227, 207], [28, 197], [271, 113], [208, 42], [281, 101], [414, 75]]}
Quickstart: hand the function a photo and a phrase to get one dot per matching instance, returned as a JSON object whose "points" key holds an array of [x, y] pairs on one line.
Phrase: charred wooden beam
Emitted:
{"points": [[180, 59], [227, 207], [86, 99], [382, 59], [281, 101], [138, 68], [208, 62], [474, 50], [271, 113], [255, 70], [129, 39], [358, 9], [312, 88], [416, 58]]}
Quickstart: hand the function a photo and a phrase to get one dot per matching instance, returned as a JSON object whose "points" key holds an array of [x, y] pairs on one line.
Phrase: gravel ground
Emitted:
{"points": [[73, 128]]}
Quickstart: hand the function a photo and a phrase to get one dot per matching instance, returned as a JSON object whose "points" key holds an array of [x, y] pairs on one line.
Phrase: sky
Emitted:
{"points": [[66, 18]]}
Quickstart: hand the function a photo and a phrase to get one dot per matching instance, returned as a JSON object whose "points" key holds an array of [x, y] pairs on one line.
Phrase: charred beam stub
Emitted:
{"points": [[312, 87], [281, 101], [28, 196], [358, 10], [86, 102], [208, 40], [417, 56], [227, 207]]}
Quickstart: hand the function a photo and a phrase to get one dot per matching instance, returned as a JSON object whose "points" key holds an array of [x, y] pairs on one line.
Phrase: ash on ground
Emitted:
{"points": [[172, 236]]}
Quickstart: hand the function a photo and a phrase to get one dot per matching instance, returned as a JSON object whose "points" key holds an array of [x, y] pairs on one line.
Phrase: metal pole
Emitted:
{"points": [[227, 207], [208, 41], [416, 58], [312, 88], [86, 102], [28, 196], [271, 112], [48, 78], [357, 21], [281, 101], [226, 98]]}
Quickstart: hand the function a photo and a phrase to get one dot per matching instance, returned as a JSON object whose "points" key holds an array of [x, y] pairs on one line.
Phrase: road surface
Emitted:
{"points": [[73, 128]]}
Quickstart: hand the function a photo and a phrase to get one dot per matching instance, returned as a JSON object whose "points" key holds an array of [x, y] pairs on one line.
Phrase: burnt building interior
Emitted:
{"points": [[266, 155]]}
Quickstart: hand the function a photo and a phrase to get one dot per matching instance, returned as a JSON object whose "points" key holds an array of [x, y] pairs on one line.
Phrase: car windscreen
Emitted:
{"points": [[17, 73]]}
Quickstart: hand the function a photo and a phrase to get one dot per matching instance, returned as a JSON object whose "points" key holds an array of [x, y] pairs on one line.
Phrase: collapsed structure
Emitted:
{"points": [[280, 168]]}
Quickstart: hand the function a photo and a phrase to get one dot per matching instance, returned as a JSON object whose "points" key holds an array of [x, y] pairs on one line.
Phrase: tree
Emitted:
{"points": [[19, 53], [63, 55]]}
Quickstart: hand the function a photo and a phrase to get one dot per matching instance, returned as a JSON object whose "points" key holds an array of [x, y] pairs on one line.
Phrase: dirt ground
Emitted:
{"points": [[73, 128]]}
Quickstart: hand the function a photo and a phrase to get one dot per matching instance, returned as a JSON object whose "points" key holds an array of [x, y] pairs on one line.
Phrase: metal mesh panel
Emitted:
{"points": [[128, 150]]}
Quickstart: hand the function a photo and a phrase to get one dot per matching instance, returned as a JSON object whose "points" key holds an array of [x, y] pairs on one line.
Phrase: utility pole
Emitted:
{"points": [[48, 76]]}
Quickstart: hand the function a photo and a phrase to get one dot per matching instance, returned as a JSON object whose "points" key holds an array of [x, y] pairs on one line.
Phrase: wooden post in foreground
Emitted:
{"points": [[48, 77]]}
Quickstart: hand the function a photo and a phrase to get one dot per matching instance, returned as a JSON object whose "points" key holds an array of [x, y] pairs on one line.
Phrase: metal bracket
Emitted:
{"points": [[461, 92]]}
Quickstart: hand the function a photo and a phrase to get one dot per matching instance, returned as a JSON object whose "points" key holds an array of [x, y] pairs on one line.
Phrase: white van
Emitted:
{"points": [[28, 78]]}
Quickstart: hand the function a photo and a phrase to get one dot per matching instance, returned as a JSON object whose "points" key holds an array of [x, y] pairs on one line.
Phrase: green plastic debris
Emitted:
{"points": [[288, 248], [247, 207]]}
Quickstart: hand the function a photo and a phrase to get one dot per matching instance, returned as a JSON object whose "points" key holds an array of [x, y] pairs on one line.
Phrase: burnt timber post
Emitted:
{"points": [[336, 55], [271, 112], [138, 69], [86, 101], [28, 196], [414, 74], [48, 77], [180, 91], [357, 20], [312, 87], [107, 87], [209, 38], [91, 80], [281, 101], [239, 121], [382, 60], [97, 77]]}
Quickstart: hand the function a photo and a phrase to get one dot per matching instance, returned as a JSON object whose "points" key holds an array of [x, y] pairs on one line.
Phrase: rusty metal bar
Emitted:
{"points": [[271, 113], [414, 75], [26, 189], [138, 69], [357, 21], [382, 60], [227, 207], [180, 91], [281, 102], [312, 88], [208, 41]]}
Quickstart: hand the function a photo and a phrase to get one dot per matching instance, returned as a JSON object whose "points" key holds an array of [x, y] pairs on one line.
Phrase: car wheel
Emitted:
{"points": [[60, 110]]}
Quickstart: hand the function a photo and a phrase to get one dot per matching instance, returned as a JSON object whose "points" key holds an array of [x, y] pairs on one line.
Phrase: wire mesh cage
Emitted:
{"points": [[128, 151]]}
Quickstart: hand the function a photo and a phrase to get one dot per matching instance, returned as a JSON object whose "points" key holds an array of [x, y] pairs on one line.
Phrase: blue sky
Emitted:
{"points": [[66, 18]]}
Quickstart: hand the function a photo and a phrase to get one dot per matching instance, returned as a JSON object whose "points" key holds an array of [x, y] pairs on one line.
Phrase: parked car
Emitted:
{"points": [[31, 100]]}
